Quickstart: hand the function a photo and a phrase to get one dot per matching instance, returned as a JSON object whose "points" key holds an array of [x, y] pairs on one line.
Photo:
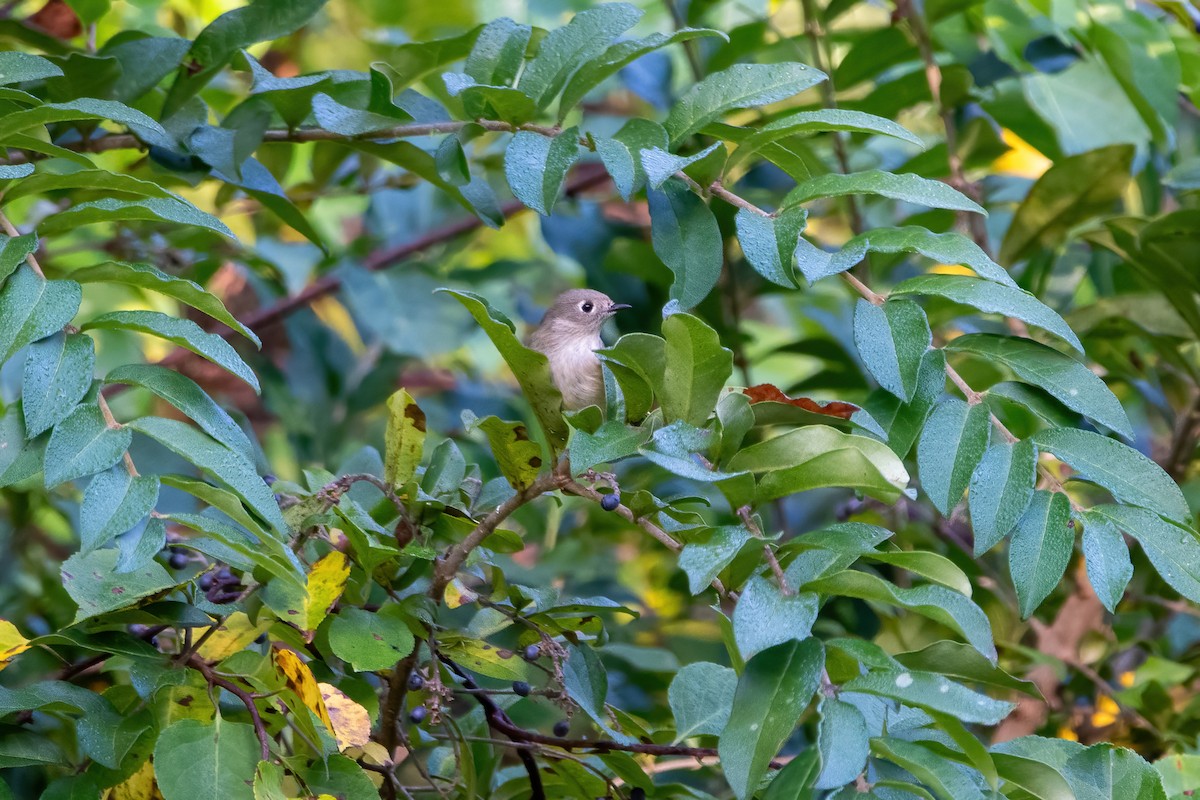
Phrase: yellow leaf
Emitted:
{"points": [[232, 636], [326, 581], [300, 680], [1022, 159], [138, 786], [1126, 679], [1066, 733], [952, 269], [404, 439], [351, 722], [12, 643], [519, 457]]}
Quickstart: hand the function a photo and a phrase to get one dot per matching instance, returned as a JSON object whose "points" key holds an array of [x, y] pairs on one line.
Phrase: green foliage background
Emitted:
{"points": [[892, 495]]}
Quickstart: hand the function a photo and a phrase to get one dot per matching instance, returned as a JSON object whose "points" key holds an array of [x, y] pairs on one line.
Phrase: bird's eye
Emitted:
{"points": [[586, 307]]}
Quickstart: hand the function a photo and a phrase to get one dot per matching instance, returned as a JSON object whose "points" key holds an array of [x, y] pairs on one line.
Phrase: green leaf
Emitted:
{"points": [[339, 777], [932, 692], [935, 567], [706, 554], [139, 546], [13, 252], [93, 583], [114, 502], [674, 447], [348, 121], [481, 101], [146, 276], [1108, 566], [951, 446], [1068, 380], [187, 396], [660, 165], [19, 459], [943, 776], [83, 109], [769, 243], [686, 238], [260, 21], [1106, 772], [701, 697], [1128, 475], [586, 681], [519, 458], [88, 179], [150, 209], [530, 367], [764, 616], [907, 188], [537, 166], [21, 67], [566, 48], [1173, 549], [956, 660], [823, 119], [619, 55], [772, 693], [58, 373], [226, 465], [195, 759], [610, 442], [843, 743], [81, 445], [368, 640], [739, 86], [944, 248], [404, 439], [795, 781], [819, 456], [32, 308], [946, 606], [498, 53], [991, 298], [1040, 549], [181, 333], [1001, 488], [621, 154], [892, 340], [904, 421], [697, 367], [1074, 190], [249, 548]]}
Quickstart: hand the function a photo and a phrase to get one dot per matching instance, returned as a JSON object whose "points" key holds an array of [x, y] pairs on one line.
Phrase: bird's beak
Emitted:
{"points": [[617, 307]]}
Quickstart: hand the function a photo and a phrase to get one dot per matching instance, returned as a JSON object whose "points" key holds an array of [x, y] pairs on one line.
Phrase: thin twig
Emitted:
{"points": [[111, 422], [497, 719]]}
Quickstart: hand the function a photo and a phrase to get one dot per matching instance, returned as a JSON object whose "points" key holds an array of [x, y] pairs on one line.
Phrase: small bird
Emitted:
{"points": [[569, 335]]}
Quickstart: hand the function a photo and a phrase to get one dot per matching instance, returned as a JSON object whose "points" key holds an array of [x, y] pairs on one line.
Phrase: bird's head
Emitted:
{"points": [[580, 311]]}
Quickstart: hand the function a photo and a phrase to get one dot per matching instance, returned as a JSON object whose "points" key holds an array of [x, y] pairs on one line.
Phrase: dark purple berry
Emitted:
{"points": [[522, 688], [418, 714], [532, 653], [610, 502], [225, 575], [206, 581], [638, 793], [178, 560], [415, 682], [562, 728]]}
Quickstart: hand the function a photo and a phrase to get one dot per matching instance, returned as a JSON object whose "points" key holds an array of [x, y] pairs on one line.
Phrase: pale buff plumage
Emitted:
{"points": [[569, 335]]}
